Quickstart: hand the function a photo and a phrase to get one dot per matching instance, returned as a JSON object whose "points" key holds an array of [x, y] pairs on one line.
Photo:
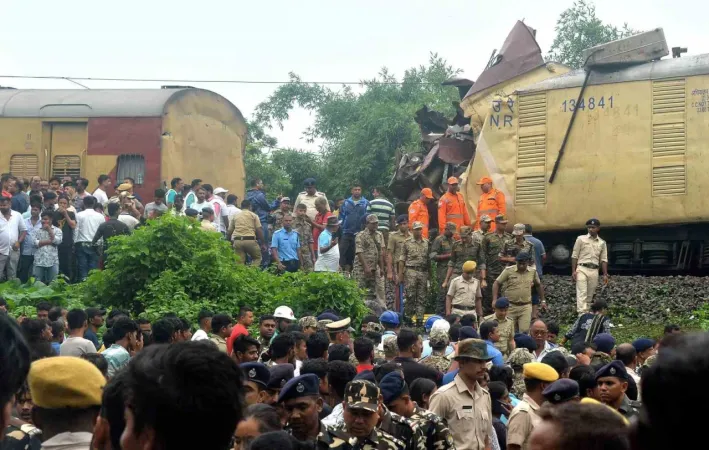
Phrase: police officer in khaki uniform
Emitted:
{"points": [[505, 326], [525, 416], [441, 251], [394, 246], [590, 252], [512, 247], [463, 403], [464, 296], [413, 269], [464, 250], [516, 283], [369, 263]]}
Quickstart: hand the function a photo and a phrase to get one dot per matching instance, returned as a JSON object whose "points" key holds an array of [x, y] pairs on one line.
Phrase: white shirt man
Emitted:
{"points": [[219, 206], [87, 222], [232, 210], [101, 196], [10, 232], [129, 220]]}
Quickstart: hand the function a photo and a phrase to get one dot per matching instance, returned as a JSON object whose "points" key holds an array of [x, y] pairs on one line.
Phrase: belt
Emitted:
{"points": [[589, 265], [244, 238], [417, 267], [520, 304]]}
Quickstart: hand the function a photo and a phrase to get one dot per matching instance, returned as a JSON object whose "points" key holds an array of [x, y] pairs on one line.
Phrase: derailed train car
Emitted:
{"points": [[636, 157]]}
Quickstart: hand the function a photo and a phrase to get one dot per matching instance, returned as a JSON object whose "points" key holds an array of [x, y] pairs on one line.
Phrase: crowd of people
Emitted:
{"points": [[316, 382]]}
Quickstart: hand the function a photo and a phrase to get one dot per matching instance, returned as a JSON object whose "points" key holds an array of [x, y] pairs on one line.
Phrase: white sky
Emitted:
{"points": [[264, 40]]}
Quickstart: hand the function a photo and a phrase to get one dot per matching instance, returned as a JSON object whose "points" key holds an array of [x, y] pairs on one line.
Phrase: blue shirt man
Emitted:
{"points": [[352, 215], [285, 245], [539, 252], [490, 334]]}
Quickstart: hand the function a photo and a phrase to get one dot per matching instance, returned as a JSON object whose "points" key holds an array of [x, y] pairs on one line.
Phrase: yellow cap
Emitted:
{"points": [[593, 401], [540, 371], [469, 266], [65, 382]]}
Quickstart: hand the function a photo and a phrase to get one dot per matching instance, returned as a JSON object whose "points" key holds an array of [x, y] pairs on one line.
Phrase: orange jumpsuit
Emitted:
{"points": [[418, 212], [451, 208], [492, 204]]}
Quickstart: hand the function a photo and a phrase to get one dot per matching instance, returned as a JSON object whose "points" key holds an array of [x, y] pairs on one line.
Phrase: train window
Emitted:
{"points": [[25, 166], [66, 166], [132, 166]]}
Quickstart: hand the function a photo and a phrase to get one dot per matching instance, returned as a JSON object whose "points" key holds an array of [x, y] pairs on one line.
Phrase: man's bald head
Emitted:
{"points": [[539, 331], [626, 354]]}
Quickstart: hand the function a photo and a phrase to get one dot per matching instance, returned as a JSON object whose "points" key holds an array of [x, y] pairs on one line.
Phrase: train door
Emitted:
{"points": [[67, 149]]}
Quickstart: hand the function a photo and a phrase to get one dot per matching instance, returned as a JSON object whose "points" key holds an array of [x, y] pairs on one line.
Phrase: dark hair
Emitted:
{"points": [[254, 181], [587, 427], [123, 326], [43, 306], [553, 327], [55, 179], [47, 213], [208, 188], [243, 310], [625, 353], [55, 313], [670, 328], [220, 321], [580, 347], [339, 352], [585, 376], [281, 345], [76, 318], [204, 314], [339, 373], [112, 406], [245, 204], [174, 182], [530, 384], [243, 342], [102, 178], [370, 318], [231, 199], [454, 332], [98, 360], [14, 359], [142, 321], [195, 182], [486, 328], [32, 329], [383, 369], [317, 366], [35, 201], [163, 329], [452, 318], [131, 179], [181, 387], [599, 305], [57, 328], [527, 228], [108, 338], [266, 416], [497, 390], [363, 349], [374, 337], [89, 201], [557, 361], [421, 387], [317, 345], [298, 336], [406, 339], [264, 318], [280, 440], [160, 192], [294, 328], [504, 374], [468, 320]]}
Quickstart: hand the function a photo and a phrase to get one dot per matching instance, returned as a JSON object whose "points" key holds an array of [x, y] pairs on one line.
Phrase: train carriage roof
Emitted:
{"points": [[655, 70], [87, 102]]}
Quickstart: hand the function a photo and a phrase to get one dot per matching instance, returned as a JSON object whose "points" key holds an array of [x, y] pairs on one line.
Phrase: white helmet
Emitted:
{"points": [[284, 312], [441, 324]]}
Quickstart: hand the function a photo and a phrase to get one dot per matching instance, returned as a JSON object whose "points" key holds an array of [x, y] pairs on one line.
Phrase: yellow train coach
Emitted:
{"points": [[151, 135], [636, 157]]}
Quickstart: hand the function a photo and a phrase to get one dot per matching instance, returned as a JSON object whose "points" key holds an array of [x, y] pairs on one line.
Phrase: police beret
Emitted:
{"points": [[469, 266], [557, 361], [328, 316], [309, 182], [302, 386], [643, 344], [366, 375], [502, 303], [190, 212], [522, 256], [593, 223], [389, 317], [540, 371], [525, 341], [65, 382], [613, 369], [604, 342], [393, 386], [256, 372], [340, 325], [280, 374], [468, 333], [561, 391], [403, 218]]}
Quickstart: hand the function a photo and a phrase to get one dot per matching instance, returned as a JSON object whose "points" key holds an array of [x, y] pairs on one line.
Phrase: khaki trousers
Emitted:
{"points": [[251, 248], [586, 283], [521, 316]]}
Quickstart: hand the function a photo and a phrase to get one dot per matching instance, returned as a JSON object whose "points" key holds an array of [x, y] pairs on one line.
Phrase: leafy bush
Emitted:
{"points": [[22, 299]]}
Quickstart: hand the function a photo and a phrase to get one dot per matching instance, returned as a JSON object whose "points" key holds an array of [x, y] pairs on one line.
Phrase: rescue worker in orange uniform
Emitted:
{"points": [[418, 210], [451, 208], [491, 202]]}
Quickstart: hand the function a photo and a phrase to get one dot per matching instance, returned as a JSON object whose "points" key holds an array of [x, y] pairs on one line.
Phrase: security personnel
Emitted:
{"points": [[612, 380], [418, 210], [485, 223], [305, 230], [369, 263], [464, 296], [279, 376], [590, 252], [404, 429], [561, 391], [394, 246], [525, 416], [491, 202], [452, 208], [464, 404], [505, 326], [490, 265], [256, 378], [466, 249], [300, 397], [275, 219], [441, 251], [413, 269], [516, 283], [518, 244], [308, 196], [396, 397]]}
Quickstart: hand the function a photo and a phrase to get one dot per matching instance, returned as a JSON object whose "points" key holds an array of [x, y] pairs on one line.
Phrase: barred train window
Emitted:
{"points": [[25, 166], [132, 166], [66, 165]]}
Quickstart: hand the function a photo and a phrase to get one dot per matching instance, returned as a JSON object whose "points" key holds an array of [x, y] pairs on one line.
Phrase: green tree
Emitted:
{"points": [[577, 29], [257, 162], [362, 131]]}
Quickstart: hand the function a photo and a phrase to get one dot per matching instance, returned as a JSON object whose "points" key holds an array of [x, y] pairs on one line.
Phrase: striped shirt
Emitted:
{"points": [[383, 209]]}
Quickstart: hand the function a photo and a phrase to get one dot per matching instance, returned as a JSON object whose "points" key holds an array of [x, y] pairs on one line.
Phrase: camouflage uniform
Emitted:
{"points": [[505, 328], [648, 362], [371, 246], [442, 245], [512, 248], [490, 248], [414, 255], [276, 221], [305, 230], [338, 439], [467, 249], [435, 429], [478, 236], [601, 359], [394, 246], [437, 359], [406, 430], [265, 344], [518, 358]]}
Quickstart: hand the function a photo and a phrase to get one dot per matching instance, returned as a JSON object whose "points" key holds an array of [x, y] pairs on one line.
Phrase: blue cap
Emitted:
{"points": [[389, 318], [280, 374], [593, 223], [502, 303], [560, 391], [525, 341], [309, 182], [256, 372], [303, 386], [522, 256], [613, 369], [402, 218], [367, 375], [328, 316], [604, 342], [643, 344], [468, 333], [393, 386], [429, 322]]}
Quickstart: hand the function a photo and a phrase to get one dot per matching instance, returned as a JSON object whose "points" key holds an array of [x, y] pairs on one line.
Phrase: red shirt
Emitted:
{"points": [[363, 367], [320, 219], [237, 331]]}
